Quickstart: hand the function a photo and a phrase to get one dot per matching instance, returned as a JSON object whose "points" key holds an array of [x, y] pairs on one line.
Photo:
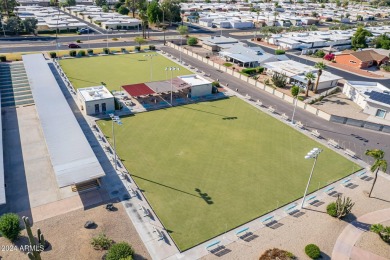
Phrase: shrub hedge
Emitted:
{"points": [[3, 58], [280, 52], [72, 53], [119, 251]]}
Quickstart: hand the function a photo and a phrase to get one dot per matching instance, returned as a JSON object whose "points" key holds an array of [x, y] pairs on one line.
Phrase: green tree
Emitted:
{"points": [[100, 2], [134, 5], [309, 77], [320, 66], [379, 164], [359, 39], [172, 11], [182, 29], [30, 24], [71, 2], [9, 226], [295, 91], [140, 41], [154, 12], [14, 25], [105, 8], [144, 21], [192, 41], [382, 41], [123, 10], [7, 6]]}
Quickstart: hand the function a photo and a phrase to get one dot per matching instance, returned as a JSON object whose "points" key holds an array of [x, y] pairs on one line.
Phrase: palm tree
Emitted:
{"points": [[309, 77], [378, 164], [320, 66], [144, 20]]}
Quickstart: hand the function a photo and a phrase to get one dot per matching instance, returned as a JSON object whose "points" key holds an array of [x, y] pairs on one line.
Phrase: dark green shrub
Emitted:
{"points": [[207, 57], [3, 58], [260, 70], [280, 52], [101, 242], [9, 226], [331, 209], [215, 84], [137, 48], [313, 251], [279, 80], [249, 71], [106, 50], [320, 54], [152, 47], [78, 41], [72, 53], [227, 64], [119, 251], [53, 55], [81, 53], [90, 52], [191, 41]]}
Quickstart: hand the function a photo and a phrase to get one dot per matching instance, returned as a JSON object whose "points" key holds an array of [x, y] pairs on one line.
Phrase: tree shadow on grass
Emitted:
{"points": [[166, 186], [204, 196]]}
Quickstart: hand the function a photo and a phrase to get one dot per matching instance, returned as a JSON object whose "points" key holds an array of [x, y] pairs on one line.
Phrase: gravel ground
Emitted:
{"points": [[372, 242], [70, 240], [315, 226]]}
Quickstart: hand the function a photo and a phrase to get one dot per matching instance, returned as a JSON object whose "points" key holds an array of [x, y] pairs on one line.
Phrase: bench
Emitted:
{"points": [[241, 231], [350, 153], [300, 125], [160, 234], [145, 211], [212, 244], [247, 96], [333, 143], [271, 109], [132, 192], [284, 116], [315, 133], [361, 174], [311, 198], [259, 103], [345, 182], [267, 219], [288, 209], [328, 190]]}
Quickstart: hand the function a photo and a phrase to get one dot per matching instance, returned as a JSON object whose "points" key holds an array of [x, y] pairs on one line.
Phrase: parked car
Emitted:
{"points": [[73, 46], [85, 30]]}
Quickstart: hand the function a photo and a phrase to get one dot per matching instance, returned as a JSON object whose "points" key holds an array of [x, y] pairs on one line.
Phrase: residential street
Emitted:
{"points": [[345, 135]]}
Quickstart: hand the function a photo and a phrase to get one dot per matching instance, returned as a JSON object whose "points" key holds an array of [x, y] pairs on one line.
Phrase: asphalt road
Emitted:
{"points": [[353, 138]]}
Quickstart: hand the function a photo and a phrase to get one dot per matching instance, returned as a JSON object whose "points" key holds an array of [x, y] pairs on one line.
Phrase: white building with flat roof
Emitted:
{"points": [[372, 97], [199, 85], [296, 71], [96, 100]]}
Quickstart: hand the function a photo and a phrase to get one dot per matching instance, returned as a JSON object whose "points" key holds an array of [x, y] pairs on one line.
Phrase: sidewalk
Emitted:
{"points": [[344, 247]]}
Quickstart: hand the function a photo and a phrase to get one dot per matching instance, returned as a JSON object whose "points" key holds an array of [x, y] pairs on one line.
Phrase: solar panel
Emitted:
{"points": [[380, 97]]}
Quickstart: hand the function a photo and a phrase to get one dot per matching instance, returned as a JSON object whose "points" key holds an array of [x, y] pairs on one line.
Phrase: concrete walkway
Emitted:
{"points": [[345, 244]]}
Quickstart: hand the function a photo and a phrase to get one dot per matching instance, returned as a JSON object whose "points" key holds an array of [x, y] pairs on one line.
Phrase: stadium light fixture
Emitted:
{"points": [[313, 154]]}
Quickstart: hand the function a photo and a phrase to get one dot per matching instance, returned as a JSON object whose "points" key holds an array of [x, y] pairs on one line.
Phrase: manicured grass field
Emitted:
{"points": [[210, 167], [118, 70]]}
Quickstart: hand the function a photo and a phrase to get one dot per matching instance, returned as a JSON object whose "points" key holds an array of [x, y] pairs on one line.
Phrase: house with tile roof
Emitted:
{"points": [[361, 59]]}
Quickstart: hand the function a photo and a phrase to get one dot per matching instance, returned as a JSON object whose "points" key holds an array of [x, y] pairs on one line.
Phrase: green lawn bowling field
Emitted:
{"points": [[118, 70], [209, 167]]}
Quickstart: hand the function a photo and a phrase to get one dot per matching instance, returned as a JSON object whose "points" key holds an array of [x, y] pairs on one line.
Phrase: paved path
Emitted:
{"points": [[344, 247]]}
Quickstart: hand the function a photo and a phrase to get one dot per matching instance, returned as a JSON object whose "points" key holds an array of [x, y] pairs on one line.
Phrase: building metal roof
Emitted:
{"points": [[136, 90], [71, 155]]}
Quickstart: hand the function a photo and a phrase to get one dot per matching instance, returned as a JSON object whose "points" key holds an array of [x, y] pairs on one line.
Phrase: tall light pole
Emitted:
{"points": [[150, 56], [172, 69], [117, 120], [313, 154]]}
